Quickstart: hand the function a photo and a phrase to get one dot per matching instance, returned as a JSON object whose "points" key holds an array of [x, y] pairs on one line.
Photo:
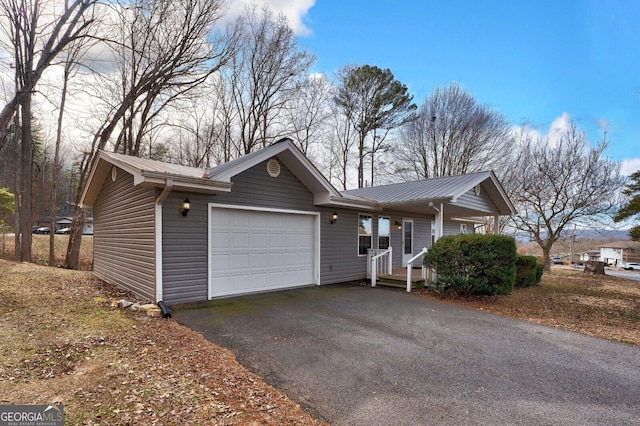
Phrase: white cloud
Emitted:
{"points": [[630, 165], [558, 128], [294, 10]]}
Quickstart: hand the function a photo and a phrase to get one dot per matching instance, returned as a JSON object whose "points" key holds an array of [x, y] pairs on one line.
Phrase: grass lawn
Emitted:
{"points": [[40, 249], [601, 306]]}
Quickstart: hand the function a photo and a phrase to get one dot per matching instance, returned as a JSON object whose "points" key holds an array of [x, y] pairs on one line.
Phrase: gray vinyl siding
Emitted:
{"points": [[480, 202], [123, 236], [339, 260], [421, 234], [185, 239], [453, 228]]}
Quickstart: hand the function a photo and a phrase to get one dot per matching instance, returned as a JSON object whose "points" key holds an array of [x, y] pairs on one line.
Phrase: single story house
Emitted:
{"points": [[265, 221]]}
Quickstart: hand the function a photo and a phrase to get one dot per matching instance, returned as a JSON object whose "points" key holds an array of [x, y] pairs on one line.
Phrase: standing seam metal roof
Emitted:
{"points": [[437, 188]]}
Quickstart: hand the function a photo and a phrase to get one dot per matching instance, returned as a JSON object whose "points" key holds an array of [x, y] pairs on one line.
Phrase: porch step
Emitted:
{"points": [[399, 281]]}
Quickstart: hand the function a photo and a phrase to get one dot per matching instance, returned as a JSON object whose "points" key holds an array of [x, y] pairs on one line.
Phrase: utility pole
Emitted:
{"points": [[573, 245]]}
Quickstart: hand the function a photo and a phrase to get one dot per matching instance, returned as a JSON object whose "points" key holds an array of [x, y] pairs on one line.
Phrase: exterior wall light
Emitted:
{"points": [[398, 224], [186, 206], [334, 218]]}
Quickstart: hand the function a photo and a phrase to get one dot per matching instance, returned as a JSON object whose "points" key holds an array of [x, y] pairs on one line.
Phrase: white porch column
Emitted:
{"points": [[496, 225], [440, 222]]}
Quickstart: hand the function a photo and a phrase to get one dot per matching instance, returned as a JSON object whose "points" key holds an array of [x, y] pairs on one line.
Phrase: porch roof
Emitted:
{"points": [[425, 196]]}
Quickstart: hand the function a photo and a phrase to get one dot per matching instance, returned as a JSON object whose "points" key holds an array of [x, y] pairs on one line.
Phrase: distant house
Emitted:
{"points": [[593, 255], [618, 252], [264, 222]]}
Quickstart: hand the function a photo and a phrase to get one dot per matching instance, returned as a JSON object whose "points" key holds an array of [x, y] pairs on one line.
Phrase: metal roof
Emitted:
{"points": [[408, 196], [145, 165], [449, 187]]}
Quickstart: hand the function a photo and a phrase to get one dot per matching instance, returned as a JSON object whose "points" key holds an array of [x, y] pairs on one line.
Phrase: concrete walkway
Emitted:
{"points": [[360, 356]]}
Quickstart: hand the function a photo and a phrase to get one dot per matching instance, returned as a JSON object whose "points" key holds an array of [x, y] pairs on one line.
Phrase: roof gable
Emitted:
{"points": [[286, 152], [443, 189], [147, 173]]}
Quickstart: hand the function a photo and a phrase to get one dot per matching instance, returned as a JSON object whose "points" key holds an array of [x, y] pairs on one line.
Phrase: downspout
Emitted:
{"points": [[439, 220], [168, 186]]}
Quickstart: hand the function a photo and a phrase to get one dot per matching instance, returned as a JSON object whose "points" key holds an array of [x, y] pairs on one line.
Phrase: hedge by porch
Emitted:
{"points": [[473, 264]]}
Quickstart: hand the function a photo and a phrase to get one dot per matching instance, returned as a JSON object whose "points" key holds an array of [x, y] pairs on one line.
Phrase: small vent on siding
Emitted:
{"points": [[273, 167]]}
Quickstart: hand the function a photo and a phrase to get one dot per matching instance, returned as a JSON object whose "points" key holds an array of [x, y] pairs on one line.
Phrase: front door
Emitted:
{"points": [[407, 241]]}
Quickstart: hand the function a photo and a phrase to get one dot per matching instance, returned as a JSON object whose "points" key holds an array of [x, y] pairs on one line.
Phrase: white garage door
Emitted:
{"points": [[253, 251]]}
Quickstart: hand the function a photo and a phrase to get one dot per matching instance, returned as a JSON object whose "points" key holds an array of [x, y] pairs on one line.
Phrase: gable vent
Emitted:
{"points": [[273, 167]]}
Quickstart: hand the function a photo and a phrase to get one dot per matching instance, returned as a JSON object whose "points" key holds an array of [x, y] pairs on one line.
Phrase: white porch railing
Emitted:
{"points": [[379, 263], [410, 266]]}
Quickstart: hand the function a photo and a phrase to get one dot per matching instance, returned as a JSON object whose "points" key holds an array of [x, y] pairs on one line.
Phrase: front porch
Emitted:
{"points": [[398, 278], [380, 270]]}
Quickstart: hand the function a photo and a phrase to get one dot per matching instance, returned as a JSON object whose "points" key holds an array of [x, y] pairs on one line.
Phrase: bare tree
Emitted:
{"points": [[262, 78], [307, 116], [165, 49], [339, 146], [554, 185], [37, 32], [73, 54], [373, 101], [452, 135]]}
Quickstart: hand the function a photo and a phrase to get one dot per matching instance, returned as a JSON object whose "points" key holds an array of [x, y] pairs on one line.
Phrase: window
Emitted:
{"points": [[433, 232], [364, 234], [384, 227], [463, 228]]}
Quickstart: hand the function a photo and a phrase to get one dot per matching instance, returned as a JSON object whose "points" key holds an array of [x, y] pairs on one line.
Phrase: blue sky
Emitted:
{"points": [[540, 63]]}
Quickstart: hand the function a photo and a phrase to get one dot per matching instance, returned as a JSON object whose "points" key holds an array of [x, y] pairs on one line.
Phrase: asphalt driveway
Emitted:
{"points": [[360, 356]]}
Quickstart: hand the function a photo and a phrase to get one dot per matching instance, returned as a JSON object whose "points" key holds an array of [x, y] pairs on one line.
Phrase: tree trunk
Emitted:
{"points": [[25, 200], [54, 171], [594, 267], [16, 183], [546, 256], [75, 238]]}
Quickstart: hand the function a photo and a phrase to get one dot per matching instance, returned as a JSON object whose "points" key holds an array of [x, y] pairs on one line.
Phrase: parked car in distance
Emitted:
{"points": [[556, 260], [631, 266], [44, 230], [63, 231], [34, 229]]}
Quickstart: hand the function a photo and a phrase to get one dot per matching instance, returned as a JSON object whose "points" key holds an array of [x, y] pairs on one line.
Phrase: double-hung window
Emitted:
{"points": [[364, 234], [384, 228]]}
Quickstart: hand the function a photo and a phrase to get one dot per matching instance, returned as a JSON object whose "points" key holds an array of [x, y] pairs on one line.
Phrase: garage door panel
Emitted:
{"points": [[260, 250]]}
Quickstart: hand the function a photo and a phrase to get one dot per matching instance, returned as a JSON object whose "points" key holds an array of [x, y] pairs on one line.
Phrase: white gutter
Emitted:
{"points": [[168, 186]]}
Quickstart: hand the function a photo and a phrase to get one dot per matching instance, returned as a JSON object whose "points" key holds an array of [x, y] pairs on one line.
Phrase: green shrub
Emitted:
{"points": [[473, 264], [539, 271], [527, 270]]}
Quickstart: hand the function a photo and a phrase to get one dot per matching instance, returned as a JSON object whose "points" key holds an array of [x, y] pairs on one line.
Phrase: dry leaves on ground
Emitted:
{"points": [[65, 343], [600, 306]]}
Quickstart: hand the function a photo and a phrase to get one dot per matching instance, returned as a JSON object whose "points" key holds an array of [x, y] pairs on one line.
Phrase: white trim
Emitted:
{"points": [[404, 229], [358, 233], [316, 248], [158, 231], [378, 233], [168, 186]]}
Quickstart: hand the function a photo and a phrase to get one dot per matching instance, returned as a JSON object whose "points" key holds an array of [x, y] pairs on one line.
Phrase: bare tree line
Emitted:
{"points": [[179, 85]]}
